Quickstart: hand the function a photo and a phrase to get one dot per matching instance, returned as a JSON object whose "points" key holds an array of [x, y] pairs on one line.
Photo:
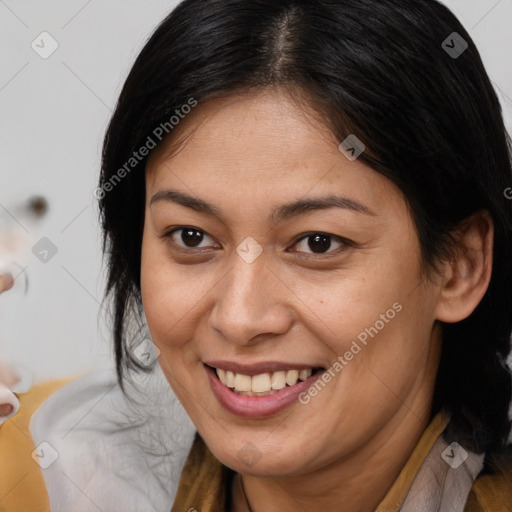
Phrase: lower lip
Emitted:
{"points": [[257, 406]]}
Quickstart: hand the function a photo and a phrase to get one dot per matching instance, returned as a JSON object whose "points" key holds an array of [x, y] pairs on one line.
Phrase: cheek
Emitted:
{"points": [[160, 291], [385, 349], [356, 303], [173, 296], [376, 318]]}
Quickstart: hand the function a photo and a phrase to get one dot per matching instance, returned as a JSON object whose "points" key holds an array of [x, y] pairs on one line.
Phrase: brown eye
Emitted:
{"points": [[320, 243], [191, 237], [187, 237]]}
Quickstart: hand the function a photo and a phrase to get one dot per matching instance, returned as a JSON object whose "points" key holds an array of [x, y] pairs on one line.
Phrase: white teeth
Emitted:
{"points": [[292, 376], [263, 383], [230, 379], [278, 380], [222, 375], [304, 374], [243, 382]]}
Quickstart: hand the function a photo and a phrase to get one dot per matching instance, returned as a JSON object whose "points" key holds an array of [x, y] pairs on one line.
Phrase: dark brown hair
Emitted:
{"points": [[379, 69]]}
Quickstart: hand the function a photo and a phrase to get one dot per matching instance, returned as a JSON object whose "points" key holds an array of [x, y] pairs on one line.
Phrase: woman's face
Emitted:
{"points": [[236, 277]]}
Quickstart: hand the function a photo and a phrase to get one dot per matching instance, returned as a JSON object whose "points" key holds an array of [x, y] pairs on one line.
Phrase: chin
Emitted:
{"points": [[250, 457]]}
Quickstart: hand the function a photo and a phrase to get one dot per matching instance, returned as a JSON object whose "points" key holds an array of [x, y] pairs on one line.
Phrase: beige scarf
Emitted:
{"points": [[444, 479]]}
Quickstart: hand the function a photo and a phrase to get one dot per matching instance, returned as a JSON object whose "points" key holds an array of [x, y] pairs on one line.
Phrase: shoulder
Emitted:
{"points": [[493, 492], [95, 434]]}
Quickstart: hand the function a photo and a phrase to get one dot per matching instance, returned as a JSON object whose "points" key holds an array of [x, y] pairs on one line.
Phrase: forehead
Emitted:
{"points": [[260, 147], [229, 128]]}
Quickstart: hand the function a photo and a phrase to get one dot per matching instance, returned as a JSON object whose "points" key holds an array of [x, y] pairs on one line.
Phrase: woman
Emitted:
{"points": [[305, 202]]}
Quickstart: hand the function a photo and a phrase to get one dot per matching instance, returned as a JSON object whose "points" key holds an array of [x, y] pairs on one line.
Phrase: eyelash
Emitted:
{"points": [[344, 242]]}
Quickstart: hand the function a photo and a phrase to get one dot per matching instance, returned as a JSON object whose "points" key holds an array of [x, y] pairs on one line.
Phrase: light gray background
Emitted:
{"points": [[54, 113]]}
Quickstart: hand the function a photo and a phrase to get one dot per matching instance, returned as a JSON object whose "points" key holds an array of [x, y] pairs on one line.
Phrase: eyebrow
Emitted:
{"points": [[283, 212]]}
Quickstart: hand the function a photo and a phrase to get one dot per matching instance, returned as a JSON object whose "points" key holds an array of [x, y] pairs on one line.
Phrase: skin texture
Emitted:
{"points": [[248, 154]]}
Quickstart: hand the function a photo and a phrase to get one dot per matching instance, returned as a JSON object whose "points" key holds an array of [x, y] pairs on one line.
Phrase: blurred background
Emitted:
{"points": [[62, 68]]}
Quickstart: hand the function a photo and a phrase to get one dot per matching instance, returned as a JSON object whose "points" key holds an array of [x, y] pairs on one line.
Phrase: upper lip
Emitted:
{"points": [[258, 368]]}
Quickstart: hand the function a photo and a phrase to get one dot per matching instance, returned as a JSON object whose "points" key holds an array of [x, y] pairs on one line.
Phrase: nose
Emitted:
{"points": [[252, 303]]}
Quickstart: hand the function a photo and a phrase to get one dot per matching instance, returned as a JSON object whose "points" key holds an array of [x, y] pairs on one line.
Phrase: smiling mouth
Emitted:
{"points": [[263, 384]]}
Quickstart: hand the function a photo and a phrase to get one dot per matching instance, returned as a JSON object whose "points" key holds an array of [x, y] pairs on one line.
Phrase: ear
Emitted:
{"points": [[466, 275]]}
